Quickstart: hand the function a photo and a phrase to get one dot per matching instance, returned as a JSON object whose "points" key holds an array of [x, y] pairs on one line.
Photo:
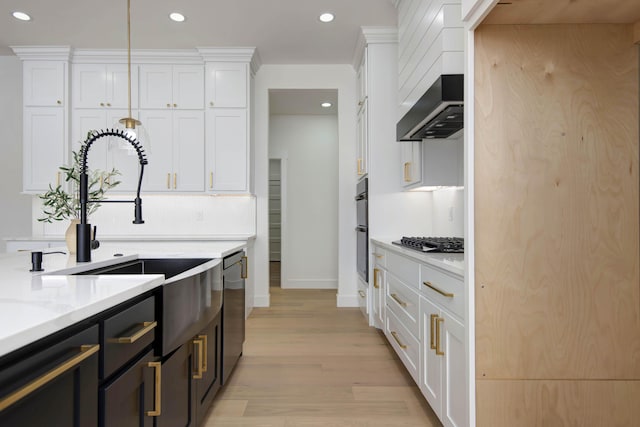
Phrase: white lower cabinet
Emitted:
{"points": [[378, 297], [442, 371]]}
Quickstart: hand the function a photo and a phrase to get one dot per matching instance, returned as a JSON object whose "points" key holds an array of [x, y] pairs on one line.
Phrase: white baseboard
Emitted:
{"points": [[347, 300], [310, 284], [261, 300]]}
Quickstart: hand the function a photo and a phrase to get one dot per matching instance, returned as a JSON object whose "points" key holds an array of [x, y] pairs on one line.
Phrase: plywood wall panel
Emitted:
{"points": [[558, 403], [556, 202]]}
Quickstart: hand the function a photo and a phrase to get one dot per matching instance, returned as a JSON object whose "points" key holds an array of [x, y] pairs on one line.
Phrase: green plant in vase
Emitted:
{"points": [[60, 203]]}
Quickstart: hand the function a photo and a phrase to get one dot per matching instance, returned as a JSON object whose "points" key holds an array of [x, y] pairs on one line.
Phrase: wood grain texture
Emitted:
{"points": [[636, 32], [565, 12], [556, 202], [308, 363], [558, 403]]}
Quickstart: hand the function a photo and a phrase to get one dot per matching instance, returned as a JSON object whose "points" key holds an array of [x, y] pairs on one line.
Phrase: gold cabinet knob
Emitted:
{"points": [[175, 105], [168, 105], [211, 103], [59, 102], [102, 104]]}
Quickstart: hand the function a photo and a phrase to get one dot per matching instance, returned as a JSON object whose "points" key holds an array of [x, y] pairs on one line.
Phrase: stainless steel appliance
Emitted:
{"points": [[362, 229], [234, 271]]}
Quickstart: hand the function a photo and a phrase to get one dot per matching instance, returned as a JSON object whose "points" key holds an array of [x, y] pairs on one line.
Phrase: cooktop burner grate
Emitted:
{"points": [[433, 244]]}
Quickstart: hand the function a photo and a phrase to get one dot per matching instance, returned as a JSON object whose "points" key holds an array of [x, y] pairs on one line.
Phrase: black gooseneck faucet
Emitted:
{"points": [[83, 230]]}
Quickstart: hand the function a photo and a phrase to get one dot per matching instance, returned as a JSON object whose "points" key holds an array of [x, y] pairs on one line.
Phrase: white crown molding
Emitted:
{"points": [[43, 53], [226, 54], [138, 56], [373, 35]]}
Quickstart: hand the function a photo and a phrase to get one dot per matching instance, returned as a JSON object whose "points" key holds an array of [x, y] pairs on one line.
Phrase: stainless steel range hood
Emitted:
{"points": [[437, 114]]}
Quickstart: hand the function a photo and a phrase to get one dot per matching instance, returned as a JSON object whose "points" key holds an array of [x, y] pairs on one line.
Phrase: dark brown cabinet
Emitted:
{"points": [[54, 385], [176, 402], [207, 380]]}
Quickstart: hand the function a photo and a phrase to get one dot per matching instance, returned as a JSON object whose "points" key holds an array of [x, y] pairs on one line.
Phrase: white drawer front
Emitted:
{"points": [[405, 269], [446, 290], [404, 302], [404, 344], [379, 257]]}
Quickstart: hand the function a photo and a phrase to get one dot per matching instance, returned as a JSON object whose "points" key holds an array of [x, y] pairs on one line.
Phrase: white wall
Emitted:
{"points": [[310, 246], [15, 217], [342, 78]]}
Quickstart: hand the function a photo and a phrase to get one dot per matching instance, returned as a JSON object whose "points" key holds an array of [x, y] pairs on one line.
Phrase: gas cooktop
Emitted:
{"points": [[433, 244]]}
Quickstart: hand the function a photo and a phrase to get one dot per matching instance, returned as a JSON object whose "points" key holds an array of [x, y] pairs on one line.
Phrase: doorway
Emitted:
{"points": [[303, 189]]}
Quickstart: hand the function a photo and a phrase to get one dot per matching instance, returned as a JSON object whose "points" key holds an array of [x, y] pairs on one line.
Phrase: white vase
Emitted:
{"points": [[70, 236]]}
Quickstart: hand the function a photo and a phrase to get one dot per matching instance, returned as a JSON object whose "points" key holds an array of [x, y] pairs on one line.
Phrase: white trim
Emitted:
{"points": [[476, 14], [227, 54], [261, 301], [43, 53], [310, 284], [469, 227], [372, 35], [347, 300]]}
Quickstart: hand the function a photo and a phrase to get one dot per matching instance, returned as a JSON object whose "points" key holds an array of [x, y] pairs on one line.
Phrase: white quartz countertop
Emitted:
{"points": [[451, 262], [35, 305]]}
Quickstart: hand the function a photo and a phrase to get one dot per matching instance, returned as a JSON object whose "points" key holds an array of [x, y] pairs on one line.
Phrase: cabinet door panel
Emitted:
{"points": [[209, 384], [85, 120], [226, 85], [227, 149], [44, 144], [89, 89], [158, 173], [431, 364], [44, 83], [125, 401], [176, 389], [454, 392], [117, 90], [188, 86], [188, 151], [156, 86], [120, 154]]}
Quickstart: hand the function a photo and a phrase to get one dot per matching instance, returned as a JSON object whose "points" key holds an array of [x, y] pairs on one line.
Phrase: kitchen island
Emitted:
{"points": [[76, 348]]}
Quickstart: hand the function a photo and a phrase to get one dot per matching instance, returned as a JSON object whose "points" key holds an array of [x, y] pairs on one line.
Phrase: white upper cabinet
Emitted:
{"points": [[171, 86], [103, 86], [44, 83], [176, 151], [226, 85], [227, 150], [44, 148]]}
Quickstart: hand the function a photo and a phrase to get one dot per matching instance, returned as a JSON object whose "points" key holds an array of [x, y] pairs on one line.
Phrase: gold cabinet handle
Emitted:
{"points": [[211, 103], [362, 294], [398, 300], [375, 278], [245, 267], [204, 352], [175, 181], [108, 104], [440, 291], [169, 181], [395, 337], [378, 255], [439, 321], [168, 105], [199, 370], [211, 180], [360, 172], [102, 104], [57, 179], [175, 105], [59, 102], [146, 328], [432, 340], [407, 172], [157, 411], [86, 351]]}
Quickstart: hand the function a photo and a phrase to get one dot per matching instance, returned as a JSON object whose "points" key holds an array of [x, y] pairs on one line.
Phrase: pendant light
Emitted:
{"points": [[129, 122]]}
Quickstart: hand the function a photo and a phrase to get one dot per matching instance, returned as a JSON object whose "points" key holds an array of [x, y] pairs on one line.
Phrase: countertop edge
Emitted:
{"points": [[434, 259]]}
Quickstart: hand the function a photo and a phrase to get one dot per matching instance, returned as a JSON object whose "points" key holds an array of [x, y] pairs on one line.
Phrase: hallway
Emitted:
{"points": [[308, 363]]}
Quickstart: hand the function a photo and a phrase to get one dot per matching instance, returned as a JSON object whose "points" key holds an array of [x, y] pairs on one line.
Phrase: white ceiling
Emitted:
{"points": [[284, 31], [302, 101]]}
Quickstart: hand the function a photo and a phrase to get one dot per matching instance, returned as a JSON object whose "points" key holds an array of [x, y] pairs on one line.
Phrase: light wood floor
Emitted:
{"points": [[308, 363]]}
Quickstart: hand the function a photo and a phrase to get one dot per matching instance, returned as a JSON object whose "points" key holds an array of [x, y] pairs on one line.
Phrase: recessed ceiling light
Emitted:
{"points": [[21, 16], [326, 104], [177, 17], [326, 17]]}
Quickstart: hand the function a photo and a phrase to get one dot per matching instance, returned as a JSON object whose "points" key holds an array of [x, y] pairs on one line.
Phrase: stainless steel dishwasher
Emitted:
{"points": [[233, 275]]}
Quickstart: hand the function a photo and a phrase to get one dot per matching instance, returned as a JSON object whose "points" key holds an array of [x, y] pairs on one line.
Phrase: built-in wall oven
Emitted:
{"points": [[362, 229]]}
